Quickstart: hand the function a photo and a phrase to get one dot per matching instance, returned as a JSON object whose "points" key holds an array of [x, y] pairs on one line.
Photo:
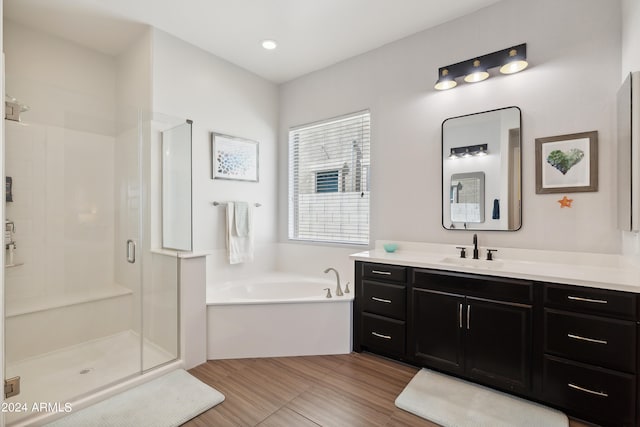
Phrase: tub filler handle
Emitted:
{"points": [[328, 292]]}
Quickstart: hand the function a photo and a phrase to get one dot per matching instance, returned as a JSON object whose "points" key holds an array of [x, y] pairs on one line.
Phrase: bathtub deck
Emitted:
{"points": [[347, 390]]}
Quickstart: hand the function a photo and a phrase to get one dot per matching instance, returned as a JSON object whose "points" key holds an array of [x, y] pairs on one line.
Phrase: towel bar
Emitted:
{"points": [[257, 205]]}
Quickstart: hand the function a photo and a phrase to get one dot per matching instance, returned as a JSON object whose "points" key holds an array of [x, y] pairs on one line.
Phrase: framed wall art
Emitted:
{"points": [[234, 158], [567, 163]]}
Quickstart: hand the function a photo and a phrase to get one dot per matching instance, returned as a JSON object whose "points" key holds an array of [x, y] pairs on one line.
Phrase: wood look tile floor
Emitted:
{"points": [[352, 390]]}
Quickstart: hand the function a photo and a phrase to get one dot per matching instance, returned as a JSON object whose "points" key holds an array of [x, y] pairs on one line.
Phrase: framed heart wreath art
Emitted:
{"points": [[567, 163]]}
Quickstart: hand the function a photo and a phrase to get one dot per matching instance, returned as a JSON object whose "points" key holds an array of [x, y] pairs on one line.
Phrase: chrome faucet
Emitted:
{"points": [[338, 290], [475, 246]]}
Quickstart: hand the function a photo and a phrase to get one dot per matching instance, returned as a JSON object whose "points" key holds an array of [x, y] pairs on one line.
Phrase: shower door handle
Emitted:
{"points": [[131, 251]]}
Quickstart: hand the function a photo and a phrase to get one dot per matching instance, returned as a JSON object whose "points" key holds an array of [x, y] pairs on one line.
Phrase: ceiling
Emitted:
{"points": [[311, 34]]}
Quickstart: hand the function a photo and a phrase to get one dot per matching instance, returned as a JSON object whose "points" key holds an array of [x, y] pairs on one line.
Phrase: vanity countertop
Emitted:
{"points": [[605, 271]]}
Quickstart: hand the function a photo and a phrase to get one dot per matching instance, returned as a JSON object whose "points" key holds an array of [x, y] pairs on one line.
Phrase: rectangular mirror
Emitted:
{"points": [[481, 175], [176, 188], [629, 153]]}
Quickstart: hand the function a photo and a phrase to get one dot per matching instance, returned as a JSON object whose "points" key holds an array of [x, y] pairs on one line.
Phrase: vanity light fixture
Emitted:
{"points": [[510, 61], [468, 151]]}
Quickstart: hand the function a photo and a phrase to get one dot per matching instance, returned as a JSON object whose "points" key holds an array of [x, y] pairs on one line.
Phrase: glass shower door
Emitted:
{"points": [[73, 289], [167, 178]]}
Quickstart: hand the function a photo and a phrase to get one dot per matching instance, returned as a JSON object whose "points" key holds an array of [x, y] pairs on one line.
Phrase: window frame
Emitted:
{"points": [[361, 236]]}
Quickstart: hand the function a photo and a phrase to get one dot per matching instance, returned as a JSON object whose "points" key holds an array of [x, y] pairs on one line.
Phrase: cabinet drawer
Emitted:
{"points": [[591, 301], [494, 288], [384, 272], [596, 394], [384, 299], [384, 334], [600, 341]]}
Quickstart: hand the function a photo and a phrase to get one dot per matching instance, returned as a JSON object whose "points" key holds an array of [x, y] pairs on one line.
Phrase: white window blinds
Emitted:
{"points": [[329, 169]]}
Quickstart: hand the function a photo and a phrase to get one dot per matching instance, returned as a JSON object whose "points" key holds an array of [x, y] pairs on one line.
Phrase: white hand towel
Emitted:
{"points": [[239, 248], [241, 217]]}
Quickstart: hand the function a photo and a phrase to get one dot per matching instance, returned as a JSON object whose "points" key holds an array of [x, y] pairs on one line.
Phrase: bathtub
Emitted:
{"points": [[277, 314]]}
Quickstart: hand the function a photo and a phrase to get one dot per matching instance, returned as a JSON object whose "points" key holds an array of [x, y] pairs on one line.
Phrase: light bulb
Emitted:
{"points": [[516, 63], [514, 67], [445, 81], [269, 44], [445, 84], [477, 74]]}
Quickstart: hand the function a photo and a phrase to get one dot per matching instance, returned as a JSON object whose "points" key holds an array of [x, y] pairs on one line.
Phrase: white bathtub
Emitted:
{"points": [[277, 314]]}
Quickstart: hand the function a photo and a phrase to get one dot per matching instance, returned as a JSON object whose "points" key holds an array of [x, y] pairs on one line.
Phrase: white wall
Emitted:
{"points": [[630, 37], [569, 87], [65, 84], [630, 62], [220, 97], [61, 159]]}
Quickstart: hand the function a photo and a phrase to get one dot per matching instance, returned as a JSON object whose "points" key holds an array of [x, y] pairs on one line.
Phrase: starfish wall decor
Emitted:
{"points": [[565, 202]]}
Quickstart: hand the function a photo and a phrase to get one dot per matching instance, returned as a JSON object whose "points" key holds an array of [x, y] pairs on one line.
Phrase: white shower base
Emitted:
{"points": [[71, 372]]}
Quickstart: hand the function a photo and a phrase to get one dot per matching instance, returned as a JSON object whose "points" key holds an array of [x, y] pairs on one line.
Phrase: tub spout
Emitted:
{"points": [[338, 289]]}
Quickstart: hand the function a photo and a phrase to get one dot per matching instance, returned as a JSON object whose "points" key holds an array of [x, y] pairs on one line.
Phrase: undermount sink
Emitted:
{"points": [[476, 263]]}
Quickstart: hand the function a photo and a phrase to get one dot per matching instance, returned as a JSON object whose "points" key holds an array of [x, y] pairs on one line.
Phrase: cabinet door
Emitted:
{"points": [[498, 343], [437, 322]]}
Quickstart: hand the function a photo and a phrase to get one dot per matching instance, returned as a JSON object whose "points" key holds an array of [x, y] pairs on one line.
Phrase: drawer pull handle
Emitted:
{"points": [[386, 337], [597, 301], [386, 301], [593, 340], [384, 273], [468, 316], [586, 390], [460, 315]]}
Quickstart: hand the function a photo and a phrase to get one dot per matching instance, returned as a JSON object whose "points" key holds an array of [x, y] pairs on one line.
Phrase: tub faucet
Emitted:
{"points": [[338, 290], [475, 246]]}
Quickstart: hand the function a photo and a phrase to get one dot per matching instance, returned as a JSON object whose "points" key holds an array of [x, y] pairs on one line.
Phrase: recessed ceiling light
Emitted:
{"points": [[269, 44]]}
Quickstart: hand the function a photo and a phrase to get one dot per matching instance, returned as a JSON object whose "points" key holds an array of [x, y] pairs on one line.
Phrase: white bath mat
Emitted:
{"points": [[452, 402], [170, 400]]}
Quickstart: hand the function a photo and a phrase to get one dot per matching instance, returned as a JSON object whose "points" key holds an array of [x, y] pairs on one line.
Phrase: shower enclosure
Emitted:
{"points": [[88, 302]]}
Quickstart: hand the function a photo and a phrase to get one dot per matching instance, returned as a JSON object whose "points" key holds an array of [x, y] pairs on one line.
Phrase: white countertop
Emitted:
{"points": [[604, 271]]}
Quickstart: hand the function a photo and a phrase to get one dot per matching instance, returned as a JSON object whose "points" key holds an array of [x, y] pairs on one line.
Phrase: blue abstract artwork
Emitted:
{"points": [[235, 158]]}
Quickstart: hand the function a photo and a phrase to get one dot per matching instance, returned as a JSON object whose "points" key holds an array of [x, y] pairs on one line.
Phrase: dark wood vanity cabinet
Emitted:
{"points": [[458, 324], [590, 360], [381, 304], [570, 347]]}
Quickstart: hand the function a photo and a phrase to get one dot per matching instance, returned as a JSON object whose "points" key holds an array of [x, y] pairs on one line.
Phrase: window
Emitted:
{"points": [[327, 182], [329, 168]]}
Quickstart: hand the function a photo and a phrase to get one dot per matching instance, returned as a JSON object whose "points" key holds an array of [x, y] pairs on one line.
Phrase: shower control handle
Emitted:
{"points": [[131, 251]]}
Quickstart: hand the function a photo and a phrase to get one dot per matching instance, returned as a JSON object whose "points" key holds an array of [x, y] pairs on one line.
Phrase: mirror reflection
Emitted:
{"points": [[481, 176], [467, 197], [176, 188]]}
